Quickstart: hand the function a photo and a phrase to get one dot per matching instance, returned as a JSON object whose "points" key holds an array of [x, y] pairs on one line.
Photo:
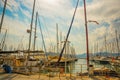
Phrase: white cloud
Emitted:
{"points": [[103, 10], [27, 3], [13, 5], [61, 12], [15, 29], [26, 13]]}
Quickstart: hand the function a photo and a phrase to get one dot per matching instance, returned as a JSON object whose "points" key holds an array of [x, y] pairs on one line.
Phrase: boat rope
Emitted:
{"points": [[47, 31], [68, 33], [42, 37], [3, 42], [4, 9], [45, 28]]}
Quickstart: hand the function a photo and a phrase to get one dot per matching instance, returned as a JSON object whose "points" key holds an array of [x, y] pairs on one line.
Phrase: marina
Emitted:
{"points": [[53, 40], [75, 75]]}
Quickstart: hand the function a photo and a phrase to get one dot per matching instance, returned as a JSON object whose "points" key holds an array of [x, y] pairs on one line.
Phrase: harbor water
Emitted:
{"points": [[80, 66]]}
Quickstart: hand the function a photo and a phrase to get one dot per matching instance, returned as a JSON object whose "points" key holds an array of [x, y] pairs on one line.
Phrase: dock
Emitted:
{"points": [[14, 76]]}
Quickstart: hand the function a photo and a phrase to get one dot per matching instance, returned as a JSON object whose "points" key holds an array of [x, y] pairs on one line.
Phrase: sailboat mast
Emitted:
{"points": [[105, 45], [3, 15], [57, 37], [31, 29], [117, 42], [64, 45], [60, 40], [35, 31], [86, 28]]}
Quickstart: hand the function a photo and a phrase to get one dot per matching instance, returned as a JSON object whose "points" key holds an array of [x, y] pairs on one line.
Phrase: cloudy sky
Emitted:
{"points": [[51, 12]]}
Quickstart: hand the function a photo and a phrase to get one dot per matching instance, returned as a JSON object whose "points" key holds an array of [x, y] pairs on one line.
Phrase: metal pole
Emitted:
{"points": [[87, 43], [3, 15], [31, 29]]}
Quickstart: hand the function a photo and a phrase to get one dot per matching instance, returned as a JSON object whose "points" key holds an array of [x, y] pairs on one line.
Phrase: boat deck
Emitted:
{"points": [[14, 76]]}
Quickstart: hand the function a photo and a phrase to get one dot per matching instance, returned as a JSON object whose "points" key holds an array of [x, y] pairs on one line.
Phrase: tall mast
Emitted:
{"points": [[3, 15], [31, 29], [117, 42], [86, 28], [105, 44], [35, 31], [68, 33], [60, 40], [57, 38]]}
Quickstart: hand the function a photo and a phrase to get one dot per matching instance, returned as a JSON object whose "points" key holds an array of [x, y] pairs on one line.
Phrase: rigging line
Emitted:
{"points": [[3, 44], [21, 41], [7, 3], [46, 30], [2, 39], [68, 33], [38, 8], [43, 31], [2, 18], [42, 37]]}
